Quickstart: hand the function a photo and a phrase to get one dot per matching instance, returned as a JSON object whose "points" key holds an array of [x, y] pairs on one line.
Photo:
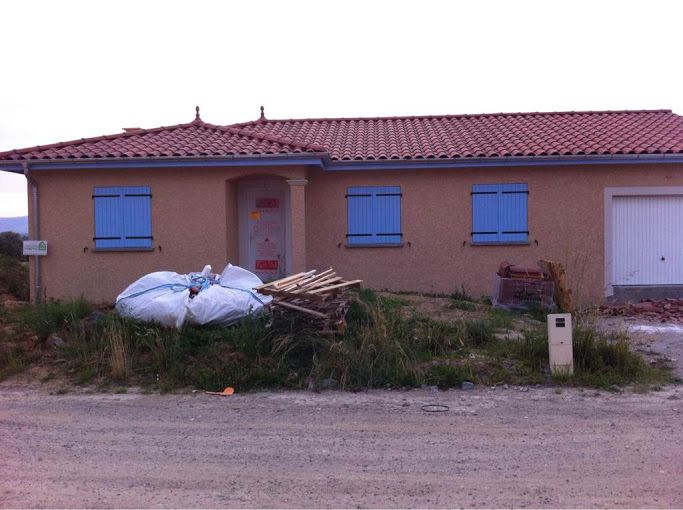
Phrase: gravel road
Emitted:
{"points": [[494, 448]]}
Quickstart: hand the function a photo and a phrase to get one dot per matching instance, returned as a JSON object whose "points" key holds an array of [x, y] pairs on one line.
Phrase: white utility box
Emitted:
{"points": [[560, 343]]}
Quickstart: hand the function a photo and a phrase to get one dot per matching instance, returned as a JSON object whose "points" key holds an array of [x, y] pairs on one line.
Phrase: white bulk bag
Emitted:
{"points": [[164, 297], [229, 300]]}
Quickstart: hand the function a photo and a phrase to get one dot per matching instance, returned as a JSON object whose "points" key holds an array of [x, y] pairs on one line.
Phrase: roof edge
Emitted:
{"points": [[140, 132], [505, 161], [124, 134], [322, 160], [308, 158]]}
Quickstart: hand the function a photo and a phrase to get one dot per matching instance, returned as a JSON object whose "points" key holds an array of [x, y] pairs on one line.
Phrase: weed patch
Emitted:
{"points": [[447, 375], [459, 304], [13, 360], [50, 317], [603, 360], [461, 295], [383, 345]]}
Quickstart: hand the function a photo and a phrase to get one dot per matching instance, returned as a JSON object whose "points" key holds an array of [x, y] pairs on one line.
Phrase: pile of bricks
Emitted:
{"points": [[521, 287], [661, 310]]}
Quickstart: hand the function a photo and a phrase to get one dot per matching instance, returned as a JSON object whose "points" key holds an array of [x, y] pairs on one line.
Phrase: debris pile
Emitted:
{"points": [[661, 310], [320, 296]]}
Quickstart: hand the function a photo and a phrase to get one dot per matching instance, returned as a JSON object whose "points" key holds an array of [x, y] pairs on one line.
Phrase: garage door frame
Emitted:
{"points": [[610, 194]]}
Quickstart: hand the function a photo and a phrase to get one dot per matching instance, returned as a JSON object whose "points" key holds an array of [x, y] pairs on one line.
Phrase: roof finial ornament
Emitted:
{"points": [[263, 115], [196, 115]]}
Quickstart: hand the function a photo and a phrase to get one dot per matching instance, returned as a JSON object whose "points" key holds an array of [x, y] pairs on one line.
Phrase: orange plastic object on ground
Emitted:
{"points": [[225, 393]]}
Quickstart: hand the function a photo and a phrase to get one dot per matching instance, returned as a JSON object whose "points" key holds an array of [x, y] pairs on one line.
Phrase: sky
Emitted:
{"points": [[74, 69]]}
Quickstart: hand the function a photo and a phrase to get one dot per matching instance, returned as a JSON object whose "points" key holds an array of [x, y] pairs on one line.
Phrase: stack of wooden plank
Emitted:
{"points": [[320, 295]]}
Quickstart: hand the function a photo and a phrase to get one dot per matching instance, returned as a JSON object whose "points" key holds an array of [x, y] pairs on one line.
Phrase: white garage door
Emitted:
{"points": [[648, 240]]}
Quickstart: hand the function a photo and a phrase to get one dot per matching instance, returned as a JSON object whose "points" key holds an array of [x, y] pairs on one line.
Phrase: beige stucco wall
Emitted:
{"points": [[566, 223], [194, 221]]}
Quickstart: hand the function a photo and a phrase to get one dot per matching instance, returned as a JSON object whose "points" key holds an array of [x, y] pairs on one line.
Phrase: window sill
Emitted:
{"points": [[99, 250], [384, 245], [501, 243]]}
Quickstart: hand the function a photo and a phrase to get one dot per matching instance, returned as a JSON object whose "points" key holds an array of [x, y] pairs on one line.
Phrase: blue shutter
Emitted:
{"points": [[499, 213], [513, 213], [485, 213], [122, 217], [374, 215], [360, 219], [108, 217], [137, 217]]}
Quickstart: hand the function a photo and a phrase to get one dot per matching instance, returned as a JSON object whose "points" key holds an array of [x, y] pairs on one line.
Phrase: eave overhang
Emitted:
{"points": [[323, 161]]}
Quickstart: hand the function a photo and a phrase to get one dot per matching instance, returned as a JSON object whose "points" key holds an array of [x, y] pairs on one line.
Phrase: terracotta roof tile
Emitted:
{"points": [[367, 139]]}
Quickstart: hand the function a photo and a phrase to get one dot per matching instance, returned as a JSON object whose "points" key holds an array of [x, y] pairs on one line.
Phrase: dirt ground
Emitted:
{"points": [[503, 447]]}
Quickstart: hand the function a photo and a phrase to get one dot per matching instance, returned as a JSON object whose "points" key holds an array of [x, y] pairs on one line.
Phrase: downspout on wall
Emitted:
{"points": [[36, 230]]}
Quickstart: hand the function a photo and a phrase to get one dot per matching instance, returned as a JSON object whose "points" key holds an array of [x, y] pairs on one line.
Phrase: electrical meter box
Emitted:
{"points": [[560, 343]]}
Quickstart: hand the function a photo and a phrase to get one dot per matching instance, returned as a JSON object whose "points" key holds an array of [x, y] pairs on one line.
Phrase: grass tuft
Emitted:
{"points": [[604, 360], [461, 295], [449, 375], [118, 351], [459, 304], [51, 317]]}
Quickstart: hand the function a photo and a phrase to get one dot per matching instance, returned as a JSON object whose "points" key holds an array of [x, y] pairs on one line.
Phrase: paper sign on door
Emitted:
{"points": [[267, 265]]}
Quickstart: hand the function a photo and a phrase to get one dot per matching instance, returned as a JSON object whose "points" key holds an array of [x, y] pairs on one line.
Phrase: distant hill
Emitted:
{"points": [[18, 224]]}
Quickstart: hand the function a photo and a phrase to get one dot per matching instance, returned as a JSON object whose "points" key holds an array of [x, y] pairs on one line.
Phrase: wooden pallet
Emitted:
{"points": [[318, 295]]}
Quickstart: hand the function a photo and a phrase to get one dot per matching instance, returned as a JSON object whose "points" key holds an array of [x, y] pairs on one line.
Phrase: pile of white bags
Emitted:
{"points": [[172, 299]]}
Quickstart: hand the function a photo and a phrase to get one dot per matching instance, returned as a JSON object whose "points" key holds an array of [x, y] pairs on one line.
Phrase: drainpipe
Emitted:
{"points": [[36, 230]]}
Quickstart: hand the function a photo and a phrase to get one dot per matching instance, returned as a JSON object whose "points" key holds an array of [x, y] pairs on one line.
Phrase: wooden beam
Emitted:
{"points": [[300, 309], [352, 283]]}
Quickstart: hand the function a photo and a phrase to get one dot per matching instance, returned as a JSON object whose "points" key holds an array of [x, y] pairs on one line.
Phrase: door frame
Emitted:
{"points": [[630, 191], [258, 184]]}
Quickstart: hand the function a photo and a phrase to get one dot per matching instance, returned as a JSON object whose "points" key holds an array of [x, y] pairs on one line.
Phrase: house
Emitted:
{"points": [[427, 203]]}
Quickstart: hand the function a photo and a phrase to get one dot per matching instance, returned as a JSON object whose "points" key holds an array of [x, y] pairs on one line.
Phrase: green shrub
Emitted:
{"points": [[12, 245], [14, 277]]}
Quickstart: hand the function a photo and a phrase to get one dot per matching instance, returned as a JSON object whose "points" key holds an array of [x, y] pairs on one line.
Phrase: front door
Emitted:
{"points": [[265, 208]]}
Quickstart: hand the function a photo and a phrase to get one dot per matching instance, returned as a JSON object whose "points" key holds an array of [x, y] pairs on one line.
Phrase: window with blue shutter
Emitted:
{"points": [[123, 217], [373, 215], [499, 213]]}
